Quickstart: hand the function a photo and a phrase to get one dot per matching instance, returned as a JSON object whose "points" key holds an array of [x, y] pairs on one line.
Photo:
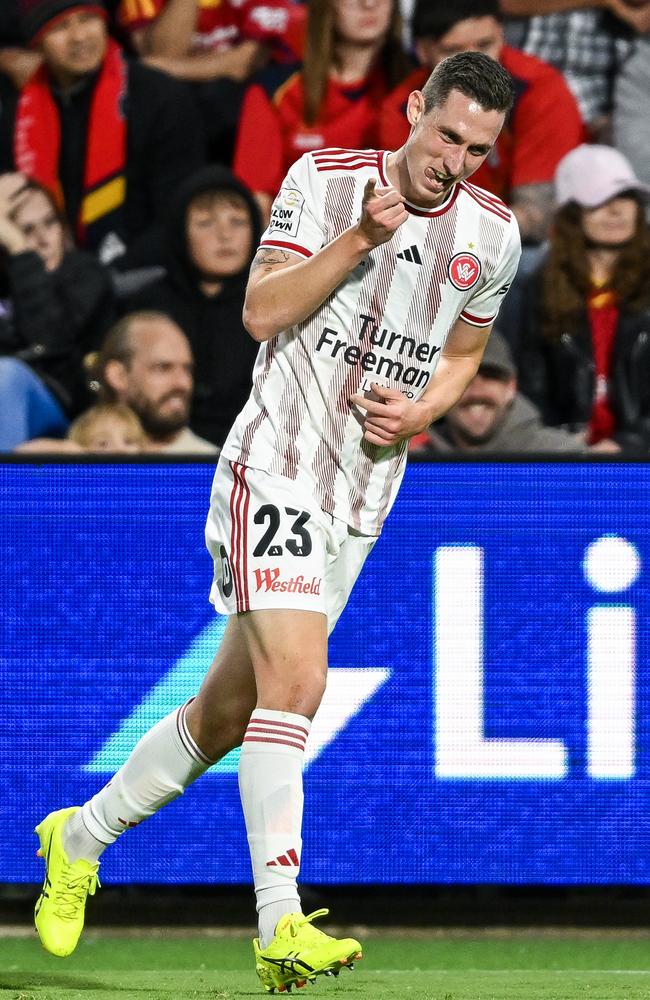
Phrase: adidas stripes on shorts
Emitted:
{"points": [[273, 549]]}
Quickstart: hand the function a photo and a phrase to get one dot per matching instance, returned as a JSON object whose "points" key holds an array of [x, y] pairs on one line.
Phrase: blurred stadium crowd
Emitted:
{"points": [[142, 143]]}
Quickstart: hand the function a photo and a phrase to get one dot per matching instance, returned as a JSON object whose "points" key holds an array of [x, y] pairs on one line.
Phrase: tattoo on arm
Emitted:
{"points": [[267, 259]]}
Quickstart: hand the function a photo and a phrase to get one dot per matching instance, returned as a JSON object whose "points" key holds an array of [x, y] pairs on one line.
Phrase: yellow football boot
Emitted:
{"points": [[299, 952], [59, 911]]}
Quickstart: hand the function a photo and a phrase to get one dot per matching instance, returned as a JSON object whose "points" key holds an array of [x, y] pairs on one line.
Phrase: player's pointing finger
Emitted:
{"points": [[371, 406], [369, 189], [385, 391]]}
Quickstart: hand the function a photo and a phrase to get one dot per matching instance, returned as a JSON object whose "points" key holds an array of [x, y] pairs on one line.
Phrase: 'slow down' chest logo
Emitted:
{"points": [[464, 270]]}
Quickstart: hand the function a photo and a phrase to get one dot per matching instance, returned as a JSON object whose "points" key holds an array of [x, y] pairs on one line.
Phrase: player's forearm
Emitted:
{"points": [[283, 297], [449, 381]]}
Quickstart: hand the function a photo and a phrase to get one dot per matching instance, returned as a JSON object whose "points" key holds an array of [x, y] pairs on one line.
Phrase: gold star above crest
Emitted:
{"points": [[470, 246]]}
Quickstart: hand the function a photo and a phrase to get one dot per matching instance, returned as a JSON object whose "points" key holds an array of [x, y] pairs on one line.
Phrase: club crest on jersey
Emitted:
{"points": [[464, 271]]}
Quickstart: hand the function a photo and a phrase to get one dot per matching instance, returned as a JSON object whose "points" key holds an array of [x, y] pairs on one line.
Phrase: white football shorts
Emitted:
{"points": [[273, 548]]}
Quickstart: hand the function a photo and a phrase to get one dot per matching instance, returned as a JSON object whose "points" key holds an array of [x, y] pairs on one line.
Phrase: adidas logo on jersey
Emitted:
{"points": [[411, 254]]}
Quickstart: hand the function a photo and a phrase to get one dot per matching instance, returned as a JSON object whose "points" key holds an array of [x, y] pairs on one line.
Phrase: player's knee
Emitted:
{"points": [[299, 691]]}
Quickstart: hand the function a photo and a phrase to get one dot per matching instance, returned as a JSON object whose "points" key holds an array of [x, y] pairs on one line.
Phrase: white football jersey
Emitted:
{"points": [[387, 322]]}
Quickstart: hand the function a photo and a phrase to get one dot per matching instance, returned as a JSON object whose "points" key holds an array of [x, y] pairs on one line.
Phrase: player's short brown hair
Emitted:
{"points": [[474, 74]]}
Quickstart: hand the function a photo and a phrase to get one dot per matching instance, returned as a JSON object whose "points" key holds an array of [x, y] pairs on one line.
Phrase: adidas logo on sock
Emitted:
{"points": [[411, 254], [290, 858]]}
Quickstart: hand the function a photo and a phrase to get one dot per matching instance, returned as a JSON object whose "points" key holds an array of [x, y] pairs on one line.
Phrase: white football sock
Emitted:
{"points": [[270, 786], [78, 842], [160, 768]]}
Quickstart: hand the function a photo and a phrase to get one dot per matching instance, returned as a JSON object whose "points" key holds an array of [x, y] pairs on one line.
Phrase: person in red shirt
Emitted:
{"points": [[215, 46], [544, 124], [201, 40], [353, 56], [585, 357]]}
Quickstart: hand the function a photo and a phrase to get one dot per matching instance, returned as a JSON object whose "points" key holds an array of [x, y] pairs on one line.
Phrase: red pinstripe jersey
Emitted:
{"points": [[387, 322]]}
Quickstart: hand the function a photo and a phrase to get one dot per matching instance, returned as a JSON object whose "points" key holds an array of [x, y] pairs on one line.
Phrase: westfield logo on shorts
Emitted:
{"points": [[269, 580]]}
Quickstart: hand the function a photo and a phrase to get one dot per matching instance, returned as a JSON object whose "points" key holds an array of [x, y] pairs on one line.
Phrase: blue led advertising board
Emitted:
{"points": [[488, 707]]}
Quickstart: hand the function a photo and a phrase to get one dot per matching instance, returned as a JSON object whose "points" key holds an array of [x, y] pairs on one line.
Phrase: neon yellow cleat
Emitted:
{"points": [[59, 911], [299, 952]]}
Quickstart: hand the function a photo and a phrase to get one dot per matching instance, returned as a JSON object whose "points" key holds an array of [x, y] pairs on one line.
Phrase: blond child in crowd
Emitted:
{"points": [[110, 427], [105, 427]]}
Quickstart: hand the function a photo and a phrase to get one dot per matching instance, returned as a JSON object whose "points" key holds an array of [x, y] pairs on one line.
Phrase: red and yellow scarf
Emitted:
{"points": [[37, 142]]}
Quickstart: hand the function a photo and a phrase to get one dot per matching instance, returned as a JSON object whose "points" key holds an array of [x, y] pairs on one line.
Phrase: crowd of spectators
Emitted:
{"points": [[142, 143]]}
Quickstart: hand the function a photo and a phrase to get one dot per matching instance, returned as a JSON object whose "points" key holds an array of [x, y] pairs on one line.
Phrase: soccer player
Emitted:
{"points": [[372, 294]]}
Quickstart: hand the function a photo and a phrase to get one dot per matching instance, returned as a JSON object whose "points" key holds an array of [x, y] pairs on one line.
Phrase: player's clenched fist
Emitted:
{"points": [[382, 212], [387, 416]]}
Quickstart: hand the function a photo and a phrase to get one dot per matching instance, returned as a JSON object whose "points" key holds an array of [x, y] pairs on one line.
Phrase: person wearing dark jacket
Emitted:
{"points": [[111, 138], [585, 350], [493, 417], [55, 306], [213, 228]]}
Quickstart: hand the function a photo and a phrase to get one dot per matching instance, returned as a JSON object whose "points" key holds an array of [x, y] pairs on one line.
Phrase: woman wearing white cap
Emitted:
{"points": [[586, 319]]}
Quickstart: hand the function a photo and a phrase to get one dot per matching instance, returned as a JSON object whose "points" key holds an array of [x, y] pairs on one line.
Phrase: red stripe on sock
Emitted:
{"points": [[181, 734], [126, 822], [283, 725], [268, 739], [190, 745], [272, 731]]}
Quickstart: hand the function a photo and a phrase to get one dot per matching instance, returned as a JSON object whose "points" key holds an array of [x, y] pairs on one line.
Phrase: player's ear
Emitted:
{"points": [[415, 107]]}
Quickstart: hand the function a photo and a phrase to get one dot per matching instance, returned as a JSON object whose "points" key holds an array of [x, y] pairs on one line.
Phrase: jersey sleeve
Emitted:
{"points": [[483, 307], [296, 216]]}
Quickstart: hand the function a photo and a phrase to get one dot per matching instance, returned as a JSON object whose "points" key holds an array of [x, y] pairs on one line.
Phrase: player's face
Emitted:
{"points": [[481, 409], [159, 380], [219, 237], [74, 46], [474, 34], [362, 22], [41, 228], [612, 224], [445, 146]]}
